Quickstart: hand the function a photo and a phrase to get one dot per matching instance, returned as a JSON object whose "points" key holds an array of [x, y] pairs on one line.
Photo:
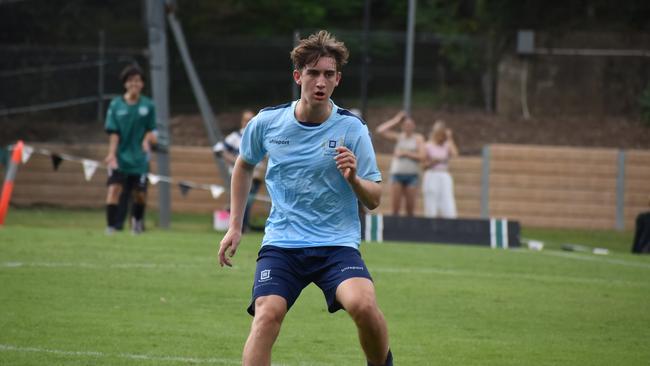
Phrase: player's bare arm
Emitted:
{"points": [[242, 175], [111, 158], [368, 192]]}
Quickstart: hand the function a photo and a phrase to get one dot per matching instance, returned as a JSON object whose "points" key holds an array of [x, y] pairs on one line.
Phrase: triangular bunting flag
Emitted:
{"points": [[216, 191], [56, 161], [153, 179], [89, 168], [185, 187], [27, 153]]}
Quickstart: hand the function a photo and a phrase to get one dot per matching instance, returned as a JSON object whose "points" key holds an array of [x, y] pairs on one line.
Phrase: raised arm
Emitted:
{"points": [[453, 149], [384, 129], [111, 157]]}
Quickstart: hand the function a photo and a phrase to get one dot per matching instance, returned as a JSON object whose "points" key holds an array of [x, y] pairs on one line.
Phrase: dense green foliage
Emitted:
{"points": [[77, 21], [72, 296]]}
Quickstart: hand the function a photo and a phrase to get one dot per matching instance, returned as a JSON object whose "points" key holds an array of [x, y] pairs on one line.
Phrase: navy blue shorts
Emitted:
{"points": [[285, 272]]}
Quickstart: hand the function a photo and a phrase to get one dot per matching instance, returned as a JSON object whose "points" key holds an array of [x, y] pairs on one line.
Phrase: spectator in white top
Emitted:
{"points": [[407, 156], [229, 150], [437, 184]]}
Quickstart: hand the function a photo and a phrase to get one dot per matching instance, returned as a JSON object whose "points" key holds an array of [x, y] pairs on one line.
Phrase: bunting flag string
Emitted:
{"points": [[56, 161], [153, 179], [90, 167], [216, 191], [27, 153], [185, 188]]}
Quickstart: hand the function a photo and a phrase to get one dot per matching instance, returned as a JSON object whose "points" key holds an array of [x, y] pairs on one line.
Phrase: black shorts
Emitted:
{"points": [[128, 181], [286, 272]]}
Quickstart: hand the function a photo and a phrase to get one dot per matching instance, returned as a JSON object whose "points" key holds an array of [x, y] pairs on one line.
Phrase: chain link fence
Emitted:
{"points": [[67, 83]]}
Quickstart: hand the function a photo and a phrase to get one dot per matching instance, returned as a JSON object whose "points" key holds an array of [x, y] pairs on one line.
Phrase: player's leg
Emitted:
{"points": [[346, 284], [277, 284], [357, 296], [396, 196], [447, 201], [139, 203], [410, 192], [123, 206], [429, 194], [114, 184], [269, 313]]}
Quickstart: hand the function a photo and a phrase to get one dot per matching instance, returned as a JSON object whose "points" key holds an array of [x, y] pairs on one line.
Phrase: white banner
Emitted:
{"points": [[27, 153], [216, 191], [89, 168], [153, 179]]}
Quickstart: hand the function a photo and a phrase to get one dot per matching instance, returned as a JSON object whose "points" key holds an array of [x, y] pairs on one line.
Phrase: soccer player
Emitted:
{"points": [[321, 163], [130, 122]]}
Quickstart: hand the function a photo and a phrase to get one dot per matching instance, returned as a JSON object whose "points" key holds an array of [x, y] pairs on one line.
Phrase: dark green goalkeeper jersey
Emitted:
{"points": [[131, 122]]}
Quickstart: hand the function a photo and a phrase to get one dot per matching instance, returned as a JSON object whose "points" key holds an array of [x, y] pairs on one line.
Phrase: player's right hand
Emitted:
{"points": [[111, 161], [229, 243]]}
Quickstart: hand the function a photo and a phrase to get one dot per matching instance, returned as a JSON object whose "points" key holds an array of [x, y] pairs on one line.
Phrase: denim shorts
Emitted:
{"points": [[286, 272], [407, 180]]}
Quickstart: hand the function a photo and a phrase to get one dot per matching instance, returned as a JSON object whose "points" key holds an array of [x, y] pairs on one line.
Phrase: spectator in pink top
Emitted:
{"points": [[437, 184]]}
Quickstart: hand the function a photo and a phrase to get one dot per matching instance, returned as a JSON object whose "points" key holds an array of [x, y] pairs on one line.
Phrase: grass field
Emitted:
{"points": [[69, 295]]}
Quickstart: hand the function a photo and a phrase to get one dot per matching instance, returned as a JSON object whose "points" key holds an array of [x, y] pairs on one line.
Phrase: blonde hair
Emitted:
{"points": [[321, 44], [438, 125]]}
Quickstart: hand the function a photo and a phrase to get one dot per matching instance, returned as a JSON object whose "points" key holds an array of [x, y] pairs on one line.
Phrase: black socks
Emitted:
{"points": [[111, 215], [137, 211], [389, 359]]}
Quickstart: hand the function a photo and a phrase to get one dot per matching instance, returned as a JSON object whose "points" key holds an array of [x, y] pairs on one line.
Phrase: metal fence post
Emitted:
{"points": [[158, 62], [408, 64], [620, 191], [100, 77], [485, 183], [295, 90]]}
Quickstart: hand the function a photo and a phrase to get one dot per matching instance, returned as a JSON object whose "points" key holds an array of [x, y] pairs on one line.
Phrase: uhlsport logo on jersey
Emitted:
{"points": [[143, 110], [279, 141], [265, 275]]}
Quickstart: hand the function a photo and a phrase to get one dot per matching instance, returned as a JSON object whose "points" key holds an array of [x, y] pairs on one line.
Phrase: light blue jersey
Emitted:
{"points": [[313, 204]]}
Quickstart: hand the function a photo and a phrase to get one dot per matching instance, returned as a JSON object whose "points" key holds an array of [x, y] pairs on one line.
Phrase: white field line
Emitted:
{"points": [[508, 276], [17, 264], [592, 258], [129, 356], [411, 270]]}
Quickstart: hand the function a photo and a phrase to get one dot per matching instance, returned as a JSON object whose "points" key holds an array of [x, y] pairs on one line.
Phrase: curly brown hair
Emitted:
{"points": [[309, 50]]}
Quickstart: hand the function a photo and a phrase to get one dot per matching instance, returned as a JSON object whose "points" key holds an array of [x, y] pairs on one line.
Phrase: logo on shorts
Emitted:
{"points": [[357, 268], [265, 275]]}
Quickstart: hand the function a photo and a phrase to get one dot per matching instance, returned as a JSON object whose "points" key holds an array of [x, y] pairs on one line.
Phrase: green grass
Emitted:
{"points": [[69, 295]]}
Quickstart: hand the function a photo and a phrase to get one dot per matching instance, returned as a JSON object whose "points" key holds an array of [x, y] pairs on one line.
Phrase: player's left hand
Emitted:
{"points": [[346, 163]]}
